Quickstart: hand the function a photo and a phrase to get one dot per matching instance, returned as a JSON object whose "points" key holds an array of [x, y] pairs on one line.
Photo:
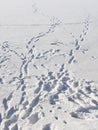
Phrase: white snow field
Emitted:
{"points": [[49, 65]]}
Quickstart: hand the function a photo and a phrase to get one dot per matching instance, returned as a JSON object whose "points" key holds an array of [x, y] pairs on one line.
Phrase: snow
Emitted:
{"points": [[48, 65]]}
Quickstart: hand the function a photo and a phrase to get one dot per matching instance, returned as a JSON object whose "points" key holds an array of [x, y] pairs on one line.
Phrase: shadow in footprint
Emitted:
{"points": [[33, 118], [10, 112], [5, 103], [46, 127], [1, 81], [0, 118], [15, 127]]}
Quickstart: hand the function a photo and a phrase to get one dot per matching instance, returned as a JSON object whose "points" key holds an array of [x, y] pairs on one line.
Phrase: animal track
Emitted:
{"points": [[47, 127], [33, 118]]}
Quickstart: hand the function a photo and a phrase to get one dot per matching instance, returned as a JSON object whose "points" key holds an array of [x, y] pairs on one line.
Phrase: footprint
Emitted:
{"points": [[85, 33], [47, 127], [56, 117], [82, 39], [76, 42], [64, 122], [71, 52], [10, 112], [0, 118], [15, 127], [25, 113], [73, 114], [71, 59], [5, 103], [33, 118], [40, 84], [76, 84], [1, 81]]}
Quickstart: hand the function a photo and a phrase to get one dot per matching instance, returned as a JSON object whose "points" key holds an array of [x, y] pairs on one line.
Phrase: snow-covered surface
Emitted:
{"points": [[48, 65]]}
